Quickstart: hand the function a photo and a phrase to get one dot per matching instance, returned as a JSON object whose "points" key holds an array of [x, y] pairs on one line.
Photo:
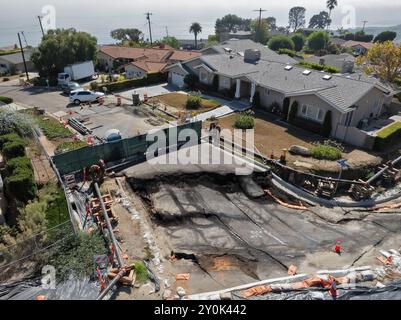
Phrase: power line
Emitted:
{"points": [[260, 10], [148, 14], [364, 24], [41, 27]]}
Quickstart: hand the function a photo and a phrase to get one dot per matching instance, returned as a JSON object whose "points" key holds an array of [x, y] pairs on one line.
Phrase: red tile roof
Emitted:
{"points": [[151, 54], [149, 66], [351, 43]]}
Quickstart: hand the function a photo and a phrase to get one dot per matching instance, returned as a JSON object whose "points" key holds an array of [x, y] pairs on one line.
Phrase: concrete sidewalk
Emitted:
{"points": [[151, 91], [224, 110]]}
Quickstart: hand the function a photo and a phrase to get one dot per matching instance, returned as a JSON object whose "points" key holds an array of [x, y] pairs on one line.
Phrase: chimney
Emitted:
{"points": [[251, 55], [347, 67]]}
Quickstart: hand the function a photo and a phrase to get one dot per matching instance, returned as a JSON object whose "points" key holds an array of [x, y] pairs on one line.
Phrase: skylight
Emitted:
{"points": [[327, 77], [288, 68], [306, 72]]}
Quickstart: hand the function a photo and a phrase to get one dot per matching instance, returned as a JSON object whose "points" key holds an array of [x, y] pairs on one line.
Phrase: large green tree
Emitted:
{"points": [[61, 47], [171, 41], [281, 42], [296, 18], [318, 40], [127, 34], [385, 36], [195, 28], [231, 23], [299, 41], [321, 20], [260, 31]]}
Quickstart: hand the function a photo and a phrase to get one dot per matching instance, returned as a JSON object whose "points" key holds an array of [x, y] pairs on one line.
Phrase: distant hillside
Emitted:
{"points": [[376, 30]]}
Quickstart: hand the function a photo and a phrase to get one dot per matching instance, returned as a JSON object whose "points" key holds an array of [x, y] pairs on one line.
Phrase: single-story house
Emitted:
{"points": [[358, 47], [138, 62], [15, 59], [344, 61], [349, 99]]}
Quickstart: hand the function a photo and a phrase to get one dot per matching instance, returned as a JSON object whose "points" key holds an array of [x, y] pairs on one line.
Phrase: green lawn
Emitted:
{"points": [[387, 131], [52, 128]]}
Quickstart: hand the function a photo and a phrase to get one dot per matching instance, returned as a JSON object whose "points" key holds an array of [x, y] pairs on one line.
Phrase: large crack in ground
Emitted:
{"points": [[213, 220]]}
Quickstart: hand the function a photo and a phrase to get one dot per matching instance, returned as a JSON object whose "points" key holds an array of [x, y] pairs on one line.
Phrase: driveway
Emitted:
{"points": [[225, 109], [151, 91]]}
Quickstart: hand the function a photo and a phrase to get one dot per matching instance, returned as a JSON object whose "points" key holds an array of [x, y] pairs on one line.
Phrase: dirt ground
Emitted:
{"points": [[176, 103], [273, 135], [223, 238]]}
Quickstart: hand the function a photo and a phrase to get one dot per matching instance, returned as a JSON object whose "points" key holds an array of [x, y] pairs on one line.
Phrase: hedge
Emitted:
{"points": [[151, 78], [388, 136], [13, 149], [325, 152], [193, 102], [7, 138], [19, 162], [6, 100], [21, 184], [319, 67]]}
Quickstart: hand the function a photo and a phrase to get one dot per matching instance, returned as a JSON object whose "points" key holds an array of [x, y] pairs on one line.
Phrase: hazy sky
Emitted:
{"points": [[101, 16]]}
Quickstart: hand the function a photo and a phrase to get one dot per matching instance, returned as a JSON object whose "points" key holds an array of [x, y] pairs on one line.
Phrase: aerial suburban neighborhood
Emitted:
{"points": [[256, 157]]}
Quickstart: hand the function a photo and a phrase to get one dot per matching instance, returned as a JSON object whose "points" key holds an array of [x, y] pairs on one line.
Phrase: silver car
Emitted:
{"points": [[79, 96]]}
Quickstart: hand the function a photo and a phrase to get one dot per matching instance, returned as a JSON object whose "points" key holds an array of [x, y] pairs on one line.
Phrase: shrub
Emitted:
{"points": [[41, 82], [21, 184], [6, 100], [141, 272], [94, 85], [256, 100], [387, 136], [319, 67], [318, 40], [13, 121], [326, 128], [151, 78], [7, 138], [281, 42], [293, 112], [215, 83], [19, 162], [70, 145], [286, 107], [191, 80], [325, 151], [193, 102], [13, 149], [299, 41], [6, 79], [288, 52], [245, 120]]}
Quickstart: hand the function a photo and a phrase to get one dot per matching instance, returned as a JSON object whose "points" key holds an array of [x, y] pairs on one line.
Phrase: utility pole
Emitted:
{"points": [[41, 27], [260, 10], [167, 31], [23, 56], [364, 24], [148, 14]]}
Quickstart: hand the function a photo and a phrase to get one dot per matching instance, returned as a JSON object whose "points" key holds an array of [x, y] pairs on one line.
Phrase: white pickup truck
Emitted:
{"points": [[77, 71]]}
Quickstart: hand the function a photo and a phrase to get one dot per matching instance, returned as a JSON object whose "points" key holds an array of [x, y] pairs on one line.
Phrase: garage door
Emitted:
{"points": [[177, 79]]}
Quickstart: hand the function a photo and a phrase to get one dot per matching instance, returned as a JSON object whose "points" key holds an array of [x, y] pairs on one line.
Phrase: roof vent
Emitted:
{"points": [[327, 77], [288, 68], [306, 72], [228, 50]]}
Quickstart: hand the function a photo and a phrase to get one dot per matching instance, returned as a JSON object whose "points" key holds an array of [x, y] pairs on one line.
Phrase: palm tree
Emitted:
{"points": [[331, 4], [195, 29]]}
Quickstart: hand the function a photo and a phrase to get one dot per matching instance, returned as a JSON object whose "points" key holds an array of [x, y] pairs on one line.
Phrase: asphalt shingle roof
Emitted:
{"points": [[241, 45], [340, 91]]}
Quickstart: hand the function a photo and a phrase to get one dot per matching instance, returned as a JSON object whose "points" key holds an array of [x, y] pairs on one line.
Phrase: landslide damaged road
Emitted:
{"points": [[226, 237]]}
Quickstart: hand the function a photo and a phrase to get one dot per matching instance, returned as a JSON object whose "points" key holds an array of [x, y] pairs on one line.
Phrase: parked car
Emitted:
{"points": [[70, 86], [79, 96]]}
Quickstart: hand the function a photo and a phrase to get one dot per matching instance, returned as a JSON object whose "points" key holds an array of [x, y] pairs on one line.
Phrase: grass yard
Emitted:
{"points": [[179, 100], [52, 128]]}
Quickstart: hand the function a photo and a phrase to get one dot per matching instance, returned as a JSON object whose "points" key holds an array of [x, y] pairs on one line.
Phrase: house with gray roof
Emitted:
{"points": [[15, 59], [277, 81], [344, 61]]}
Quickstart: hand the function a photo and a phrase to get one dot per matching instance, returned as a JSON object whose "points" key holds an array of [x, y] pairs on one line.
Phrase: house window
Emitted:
{"points": [[202, 76], [312, 112]]}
